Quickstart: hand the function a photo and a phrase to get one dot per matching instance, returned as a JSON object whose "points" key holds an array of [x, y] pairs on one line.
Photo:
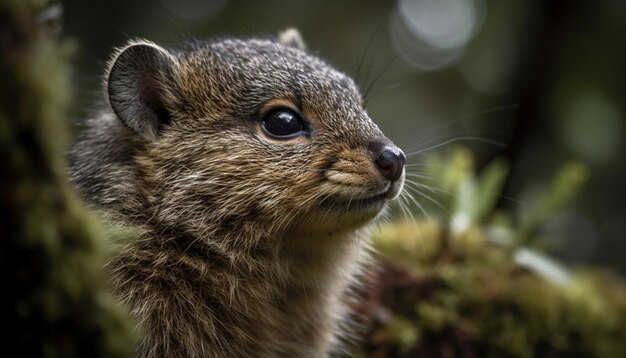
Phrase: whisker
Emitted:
{"points": [[431, 188], [424, 165], [367, 74], [367, 48], [419, 175], [431, 199], [386, 67], [491, 110], [419, 206], [454, 140], [415, 243], [434, 190], [404, 207]]}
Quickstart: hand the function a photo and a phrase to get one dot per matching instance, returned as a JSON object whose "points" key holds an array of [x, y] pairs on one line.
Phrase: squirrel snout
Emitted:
{"points": [[390, 161]]}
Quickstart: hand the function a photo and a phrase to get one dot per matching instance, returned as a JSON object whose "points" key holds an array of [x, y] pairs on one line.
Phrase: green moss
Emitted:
{"points": [[55, 298], [460, 288]]}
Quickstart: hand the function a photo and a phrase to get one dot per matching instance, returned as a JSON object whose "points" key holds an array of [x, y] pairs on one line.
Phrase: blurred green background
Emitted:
{"points": [[544, 79]]}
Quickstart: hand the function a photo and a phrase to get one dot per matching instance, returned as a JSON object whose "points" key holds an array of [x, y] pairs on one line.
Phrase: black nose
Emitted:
{"points": [[390, 162]]}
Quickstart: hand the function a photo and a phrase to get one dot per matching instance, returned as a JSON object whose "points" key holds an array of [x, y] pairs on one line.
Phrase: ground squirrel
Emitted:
{"points": [[252, 172]]}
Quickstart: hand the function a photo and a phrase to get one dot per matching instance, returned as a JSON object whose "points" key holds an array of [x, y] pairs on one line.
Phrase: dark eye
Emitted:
{"points": [[283, 123]]}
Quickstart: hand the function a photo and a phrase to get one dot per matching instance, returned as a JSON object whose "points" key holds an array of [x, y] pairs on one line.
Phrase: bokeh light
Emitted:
{"points": [[590, 126], [432, 34], [488, 65]]}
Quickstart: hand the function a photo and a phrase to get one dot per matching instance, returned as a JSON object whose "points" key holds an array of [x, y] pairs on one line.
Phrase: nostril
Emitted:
{"points": [[390, 162]]}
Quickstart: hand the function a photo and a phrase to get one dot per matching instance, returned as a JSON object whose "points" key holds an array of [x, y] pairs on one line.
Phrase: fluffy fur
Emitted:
{"points": [[247, 244]]}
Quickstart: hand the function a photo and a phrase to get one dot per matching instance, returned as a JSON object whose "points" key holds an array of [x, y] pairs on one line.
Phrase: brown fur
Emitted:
{"points": [[247, 244]]}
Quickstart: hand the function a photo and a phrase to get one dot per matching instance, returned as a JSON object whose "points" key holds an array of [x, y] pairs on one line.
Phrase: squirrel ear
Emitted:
{"points": [[138, 87], [292, 38]]}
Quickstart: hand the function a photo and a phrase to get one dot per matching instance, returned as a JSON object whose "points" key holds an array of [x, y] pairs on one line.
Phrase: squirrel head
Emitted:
{"points": [[251, 136]]}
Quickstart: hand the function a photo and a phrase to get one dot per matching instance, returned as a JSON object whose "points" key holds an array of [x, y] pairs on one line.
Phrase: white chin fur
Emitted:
{"points": [[396, 188]]}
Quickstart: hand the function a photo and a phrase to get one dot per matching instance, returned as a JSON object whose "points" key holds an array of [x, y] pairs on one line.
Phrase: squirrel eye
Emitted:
{"points": [[283, 123]]}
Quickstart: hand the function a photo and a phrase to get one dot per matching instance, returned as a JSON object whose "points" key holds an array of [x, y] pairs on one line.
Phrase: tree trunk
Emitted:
{"points": [[55, 302]]}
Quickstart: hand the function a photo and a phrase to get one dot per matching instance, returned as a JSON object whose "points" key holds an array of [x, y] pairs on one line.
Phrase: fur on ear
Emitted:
{"points": [[291, 37], [139, 87]]}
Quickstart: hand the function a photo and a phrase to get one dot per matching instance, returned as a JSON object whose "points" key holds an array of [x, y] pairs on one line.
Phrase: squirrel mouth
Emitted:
{"points": [[350, 204]]}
